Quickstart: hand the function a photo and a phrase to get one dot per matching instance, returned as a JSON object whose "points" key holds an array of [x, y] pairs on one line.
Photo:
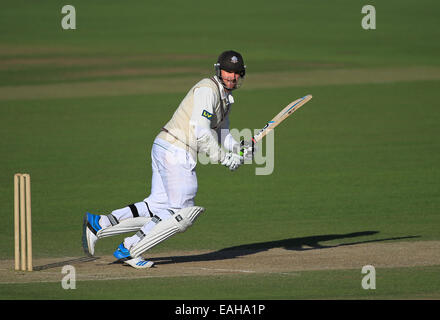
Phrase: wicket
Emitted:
{"points": [[22, 222]]}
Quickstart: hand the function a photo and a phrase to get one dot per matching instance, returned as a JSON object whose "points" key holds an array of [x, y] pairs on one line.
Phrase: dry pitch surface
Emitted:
{"points": [[209, 263]]}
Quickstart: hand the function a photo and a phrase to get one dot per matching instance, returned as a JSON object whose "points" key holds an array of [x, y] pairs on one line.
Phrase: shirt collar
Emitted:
{"points": [[224, 95]]}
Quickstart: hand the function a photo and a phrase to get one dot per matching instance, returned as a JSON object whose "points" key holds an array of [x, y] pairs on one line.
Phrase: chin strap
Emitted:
{"points": [[218, 73]]}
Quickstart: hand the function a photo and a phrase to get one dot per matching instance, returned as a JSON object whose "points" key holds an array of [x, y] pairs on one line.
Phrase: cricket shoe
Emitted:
{"points": [[90, 229], [123, 255]]}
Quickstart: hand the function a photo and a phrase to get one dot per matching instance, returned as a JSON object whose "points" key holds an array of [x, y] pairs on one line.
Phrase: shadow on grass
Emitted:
{"points": [[296, 244], [65, 262]]}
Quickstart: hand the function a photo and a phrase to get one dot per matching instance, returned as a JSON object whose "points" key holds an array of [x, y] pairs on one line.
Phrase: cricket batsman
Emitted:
{"points": [[199, 125]]}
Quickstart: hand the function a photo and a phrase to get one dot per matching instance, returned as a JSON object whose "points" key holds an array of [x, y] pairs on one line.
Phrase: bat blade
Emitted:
{"points": [[281, 116]]}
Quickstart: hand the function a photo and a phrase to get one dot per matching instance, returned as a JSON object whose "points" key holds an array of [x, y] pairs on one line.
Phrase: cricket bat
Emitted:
{"points": [[280, 117]]}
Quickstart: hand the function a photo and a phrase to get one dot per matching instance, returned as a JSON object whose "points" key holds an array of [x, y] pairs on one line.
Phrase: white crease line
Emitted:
{"points": [[225, 270], [91, 277], [249, 271], [88, 278]]}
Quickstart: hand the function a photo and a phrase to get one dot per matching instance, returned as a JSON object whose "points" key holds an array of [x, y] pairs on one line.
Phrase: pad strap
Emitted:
{"points": [[112, 219], [134, 210]]}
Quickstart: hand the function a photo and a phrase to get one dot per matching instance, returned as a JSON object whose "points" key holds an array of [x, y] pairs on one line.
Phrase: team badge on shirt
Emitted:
{"points": [[207, 115]]}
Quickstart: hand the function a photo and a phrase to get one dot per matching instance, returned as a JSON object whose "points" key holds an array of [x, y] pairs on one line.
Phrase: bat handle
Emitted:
{"points": [[253, 143]]}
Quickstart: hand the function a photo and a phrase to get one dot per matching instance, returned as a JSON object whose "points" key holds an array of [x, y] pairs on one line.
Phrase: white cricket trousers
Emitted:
{"points": [[174, 180], [173, 186]]}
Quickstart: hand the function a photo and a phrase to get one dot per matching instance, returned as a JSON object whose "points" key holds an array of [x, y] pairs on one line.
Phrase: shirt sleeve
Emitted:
{"points": [[204, 102], [203, 110]]}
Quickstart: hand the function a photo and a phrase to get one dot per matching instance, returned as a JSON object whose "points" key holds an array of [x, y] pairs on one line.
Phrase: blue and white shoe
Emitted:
{"points": [[123, 255], [90, 229]]}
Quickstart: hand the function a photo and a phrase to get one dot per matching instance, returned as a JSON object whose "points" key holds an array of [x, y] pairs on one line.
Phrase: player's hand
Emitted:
{"points": [[232, 161], [247, 149]]}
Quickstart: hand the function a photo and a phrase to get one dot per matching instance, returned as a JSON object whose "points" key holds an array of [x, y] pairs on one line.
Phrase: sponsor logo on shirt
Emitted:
{"points": [[207, 115]]}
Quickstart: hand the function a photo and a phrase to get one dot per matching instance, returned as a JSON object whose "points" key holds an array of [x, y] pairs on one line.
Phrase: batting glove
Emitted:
{"points": [[232, 161]]}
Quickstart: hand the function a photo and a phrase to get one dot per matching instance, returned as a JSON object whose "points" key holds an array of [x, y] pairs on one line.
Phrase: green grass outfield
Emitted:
{"points": [[79, 110]]}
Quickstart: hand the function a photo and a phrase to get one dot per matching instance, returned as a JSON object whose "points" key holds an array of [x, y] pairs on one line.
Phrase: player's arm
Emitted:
{"points": [[207, 141], [203, 110], [243, 148], [226, 139]]}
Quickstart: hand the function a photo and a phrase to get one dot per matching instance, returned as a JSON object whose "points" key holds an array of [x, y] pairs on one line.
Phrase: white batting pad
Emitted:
{"points": [[124, 226], [178, 222]]}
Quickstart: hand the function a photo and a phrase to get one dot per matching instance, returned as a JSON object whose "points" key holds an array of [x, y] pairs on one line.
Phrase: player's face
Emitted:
{"points": [[230, 79]]}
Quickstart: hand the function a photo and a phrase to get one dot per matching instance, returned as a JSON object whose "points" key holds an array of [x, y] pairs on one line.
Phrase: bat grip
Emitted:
{"points": [[253, 142]]}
